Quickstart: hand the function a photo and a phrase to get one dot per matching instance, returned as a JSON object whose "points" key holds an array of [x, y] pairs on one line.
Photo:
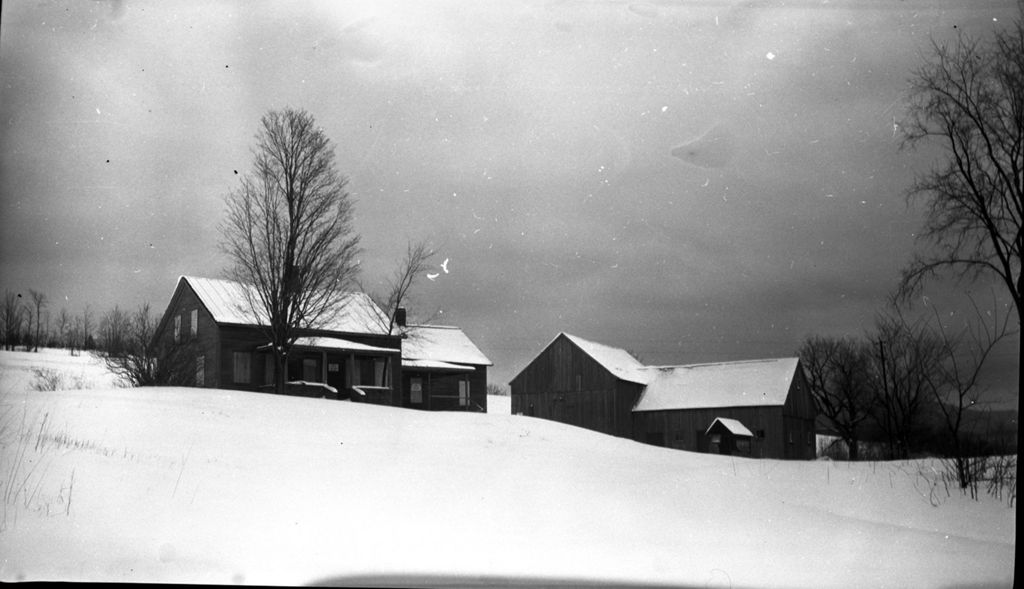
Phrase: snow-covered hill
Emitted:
{"points": [[188, 485]]}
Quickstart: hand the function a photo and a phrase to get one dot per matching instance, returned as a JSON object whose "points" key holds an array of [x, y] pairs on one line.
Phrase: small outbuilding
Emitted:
{"points": [[728, 436]]}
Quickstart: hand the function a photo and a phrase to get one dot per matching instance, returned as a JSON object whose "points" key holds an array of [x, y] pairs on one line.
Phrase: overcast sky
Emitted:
{"points": [[691, 180]]}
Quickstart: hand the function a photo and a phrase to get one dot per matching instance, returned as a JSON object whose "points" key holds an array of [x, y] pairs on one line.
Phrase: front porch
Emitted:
{"points": [[438, 386], [336, 368]]}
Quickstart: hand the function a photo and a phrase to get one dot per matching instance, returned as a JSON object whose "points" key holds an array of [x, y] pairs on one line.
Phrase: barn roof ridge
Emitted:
{"points": [[616, 360]]}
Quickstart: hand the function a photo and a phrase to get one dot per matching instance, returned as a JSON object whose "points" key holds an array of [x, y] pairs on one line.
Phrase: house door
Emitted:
{"points": [[336, 374]]}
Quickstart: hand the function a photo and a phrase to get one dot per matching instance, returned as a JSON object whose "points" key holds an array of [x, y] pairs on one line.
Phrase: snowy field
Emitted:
{"points": [[185, 485]]}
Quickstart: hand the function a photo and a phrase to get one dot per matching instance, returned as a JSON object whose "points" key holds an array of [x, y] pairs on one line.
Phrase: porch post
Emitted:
{"points": [[323, 366]]}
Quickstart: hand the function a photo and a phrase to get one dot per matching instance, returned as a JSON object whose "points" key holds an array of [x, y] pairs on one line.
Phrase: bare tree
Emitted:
{"points": [[114, 331], [142, 360], [289, 232], [905, 353], [12, 319], [85, 339], [955, 385], [39, 303], [838, 373], [400, 285], [63, 326], [969, 97]]}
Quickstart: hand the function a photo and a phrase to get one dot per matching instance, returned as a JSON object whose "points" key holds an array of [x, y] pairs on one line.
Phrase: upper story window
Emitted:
{"points": [[193, 329], [177, 328]]}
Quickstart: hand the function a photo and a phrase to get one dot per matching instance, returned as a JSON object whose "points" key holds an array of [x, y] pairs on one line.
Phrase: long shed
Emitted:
{"points": [[770, 398]]}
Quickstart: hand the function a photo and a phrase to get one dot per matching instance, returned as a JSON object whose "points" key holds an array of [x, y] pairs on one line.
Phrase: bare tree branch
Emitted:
{"points": [[289, 231]]}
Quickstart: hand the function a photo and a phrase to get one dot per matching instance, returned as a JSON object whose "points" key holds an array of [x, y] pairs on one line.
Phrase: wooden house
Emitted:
{"points": [[757, 408], [352, 356]]}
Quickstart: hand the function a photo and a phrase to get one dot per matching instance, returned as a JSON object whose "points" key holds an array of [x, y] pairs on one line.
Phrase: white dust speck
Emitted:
{"points": [[770, 55], [664, 109]]}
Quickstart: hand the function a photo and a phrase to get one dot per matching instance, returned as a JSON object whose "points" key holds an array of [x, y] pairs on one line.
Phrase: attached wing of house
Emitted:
{"points": [[443, 369]]}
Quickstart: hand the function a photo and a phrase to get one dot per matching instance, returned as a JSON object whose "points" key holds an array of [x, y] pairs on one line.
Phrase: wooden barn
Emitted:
{"points": [[351, 357], [581, 383], [757, 408]]}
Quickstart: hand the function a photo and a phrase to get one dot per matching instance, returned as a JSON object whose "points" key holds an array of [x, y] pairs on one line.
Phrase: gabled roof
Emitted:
{"points": [[727, 384], [733, 425], [615, 360], [440, 343], [226, 301]]}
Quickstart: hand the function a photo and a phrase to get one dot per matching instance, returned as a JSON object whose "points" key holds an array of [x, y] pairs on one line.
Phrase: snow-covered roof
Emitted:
{"points": [[727, 384], [436, 365], [733, 425], [226, 301], [615, 360], [441, 343], [336, 343]]}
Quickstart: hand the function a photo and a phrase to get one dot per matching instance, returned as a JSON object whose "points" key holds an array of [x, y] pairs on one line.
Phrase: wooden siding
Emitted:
{"points": [[799, 415], [785, 431], [207, 339], [684, 429], [563, 383]]}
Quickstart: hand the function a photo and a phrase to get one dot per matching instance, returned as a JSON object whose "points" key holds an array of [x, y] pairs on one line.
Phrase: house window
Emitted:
{"points": [[177, 329], [416, 390], [193, 328], [743, 445], [309, 370], [242, 367], [790, 437], [371, 371], [463, 393], [200, 370]]}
